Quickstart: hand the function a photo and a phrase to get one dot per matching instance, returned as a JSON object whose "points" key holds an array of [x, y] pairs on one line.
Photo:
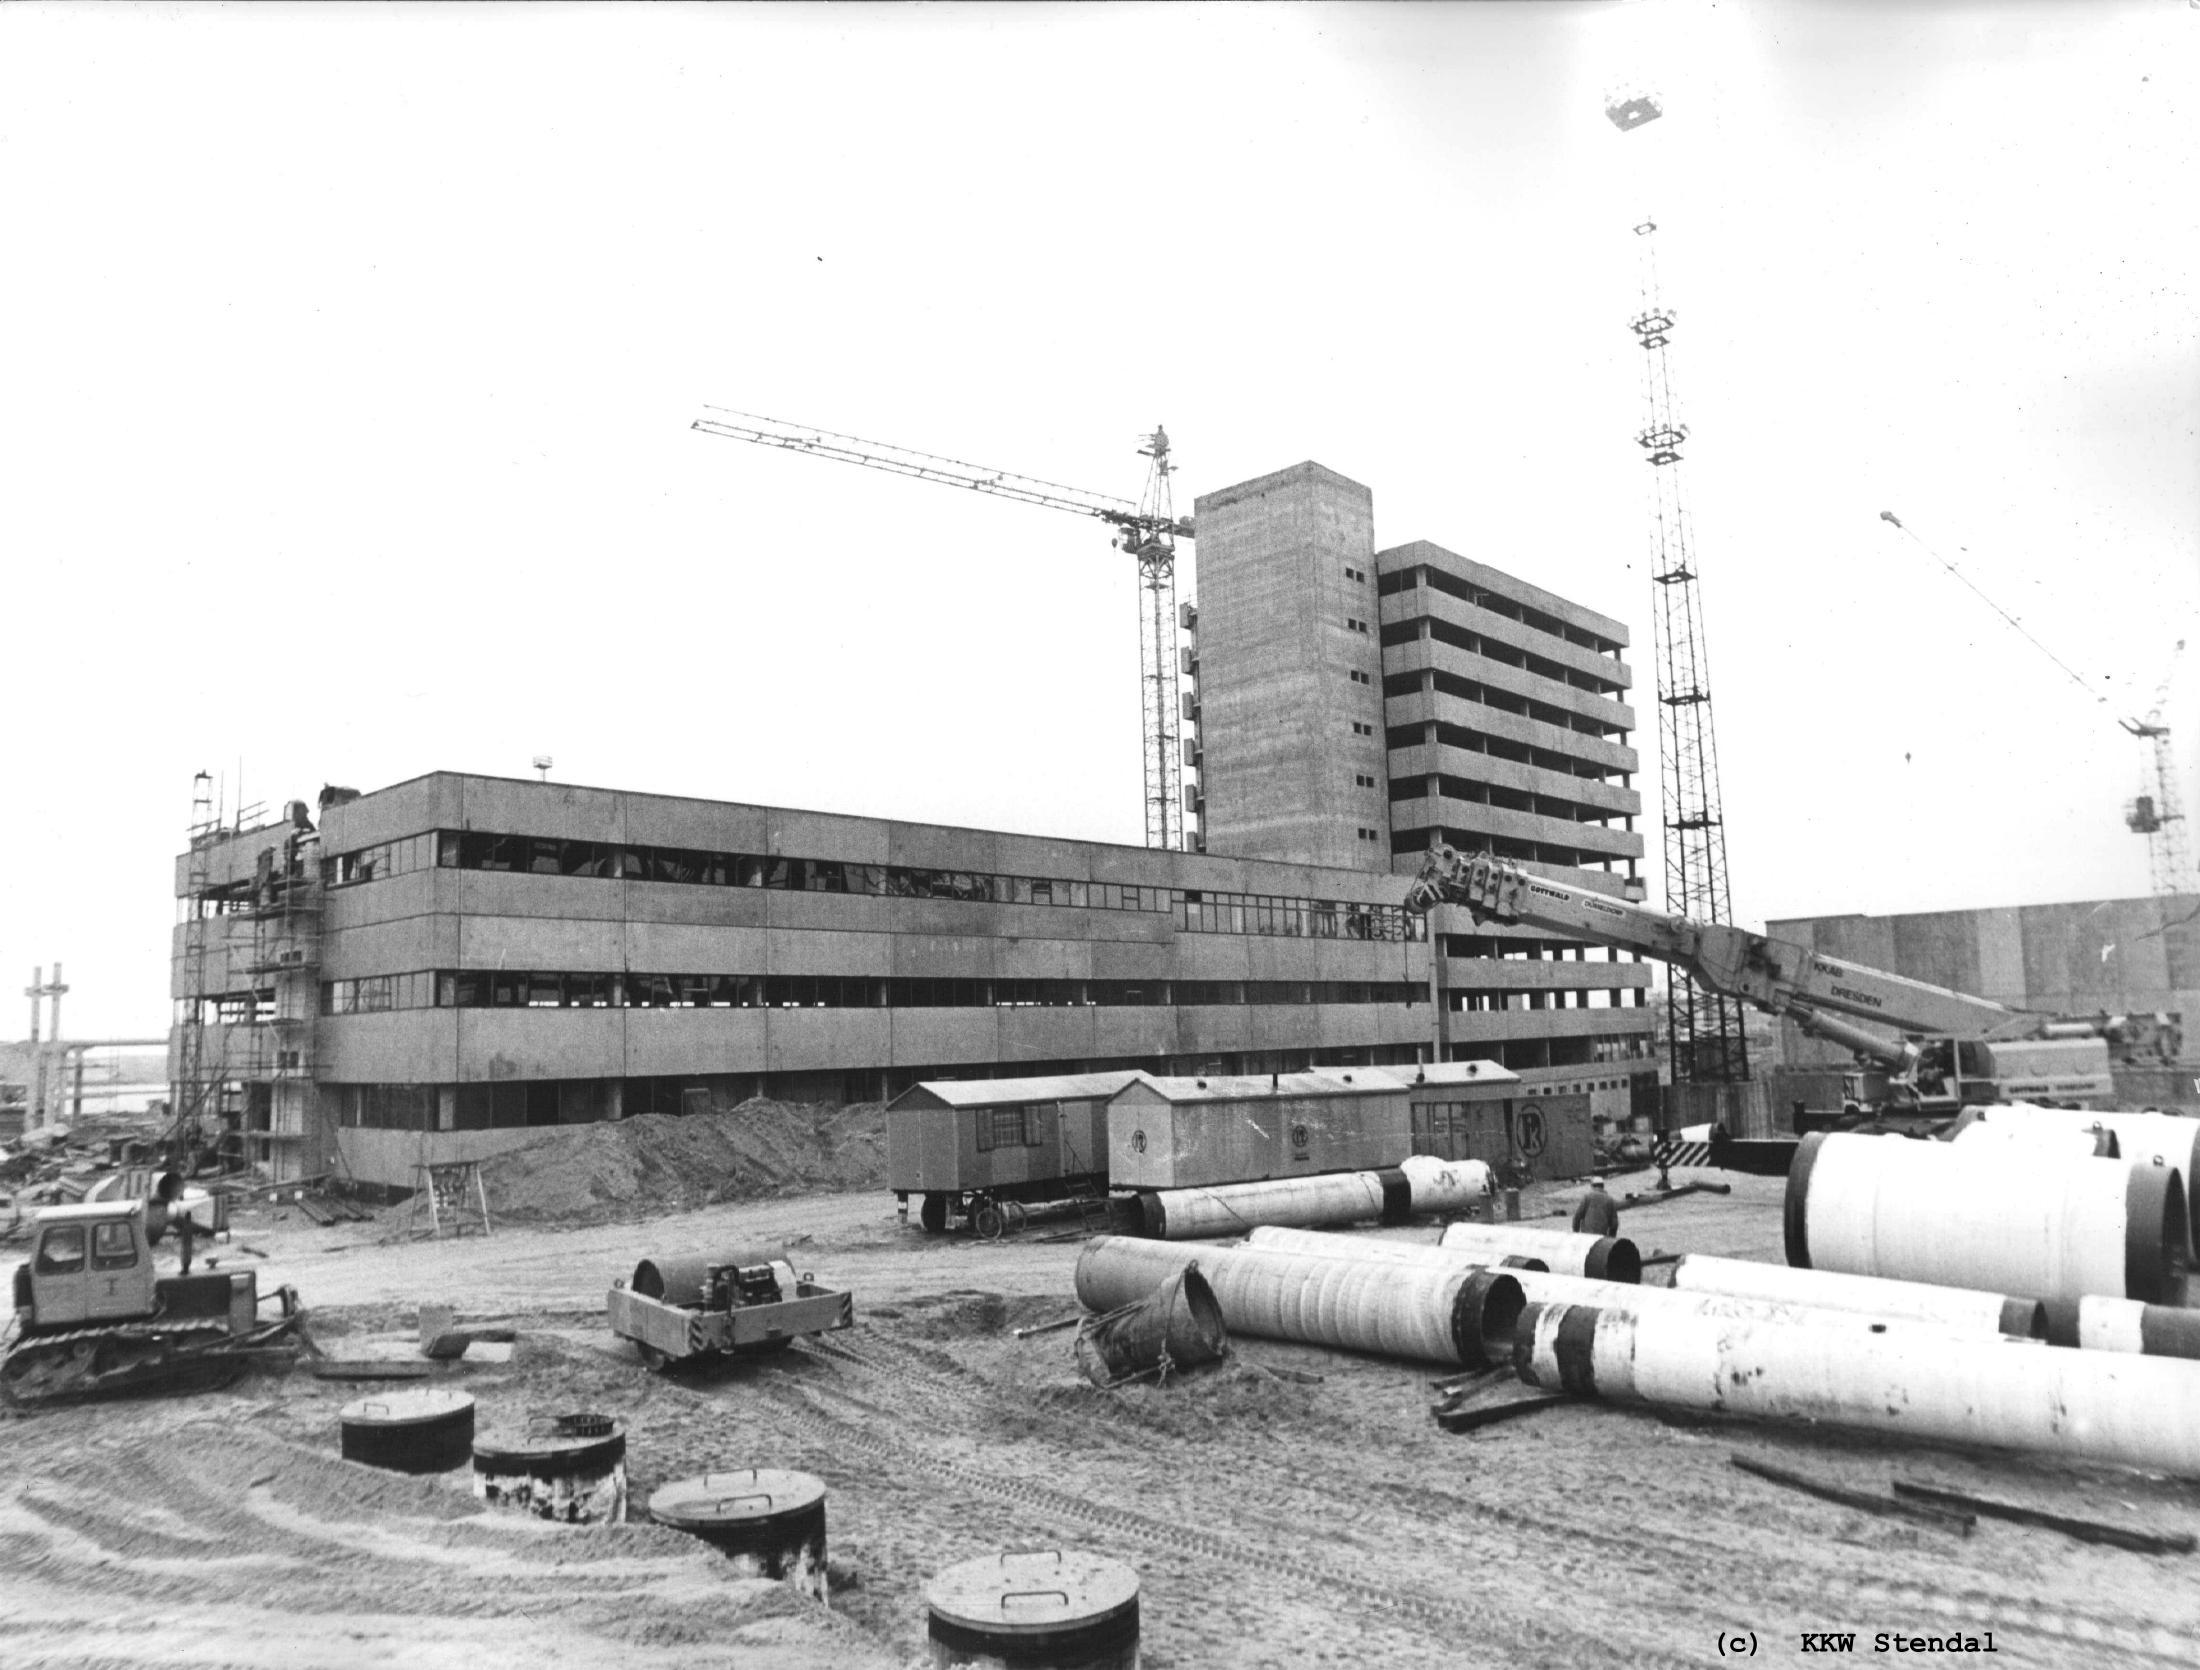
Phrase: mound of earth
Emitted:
{"points": [[660, 1162]]}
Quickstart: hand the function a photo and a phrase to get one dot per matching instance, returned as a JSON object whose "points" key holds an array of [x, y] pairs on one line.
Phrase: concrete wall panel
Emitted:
{"points": [[499, 1044], [1048, 1034], [547, 943], [731, 907], [952, 1036], [664, 948], [403, 1047], [808, 1040], [790, 952], [560, 809]]}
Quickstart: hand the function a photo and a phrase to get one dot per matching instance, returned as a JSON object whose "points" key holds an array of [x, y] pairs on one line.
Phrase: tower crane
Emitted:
{"points": [[1148, 530], [2160, 815]]}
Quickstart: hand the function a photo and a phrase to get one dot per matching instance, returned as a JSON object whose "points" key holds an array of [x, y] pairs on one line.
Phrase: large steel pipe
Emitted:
{"points": [[1339, 1197], [2099, 1324], [1959, 1309], [2094, 1406], [1986, 1218], [1600, 1257], [1978, 1316], [2047, 1140], [1446, 1185], [2172, 1138], [1455, 1317]]}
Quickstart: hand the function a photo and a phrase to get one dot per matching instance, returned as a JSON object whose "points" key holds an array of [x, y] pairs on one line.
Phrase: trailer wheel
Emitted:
{"points": [[652, 1359], [933, 1214], [987, 1221]]}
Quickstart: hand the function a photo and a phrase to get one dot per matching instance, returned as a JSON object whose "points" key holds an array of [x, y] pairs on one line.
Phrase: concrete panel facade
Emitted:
{"points": [[1288, 662]]}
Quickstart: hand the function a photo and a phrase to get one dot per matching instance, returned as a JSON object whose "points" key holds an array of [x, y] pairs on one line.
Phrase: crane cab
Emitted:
{"points": [[88, 1263]]}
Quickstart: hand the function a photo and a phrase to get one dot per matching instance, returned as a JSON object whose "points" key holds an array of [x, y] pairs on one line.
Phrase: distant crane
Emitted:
{"points": [[2158, 811], [2160, 815], [1148, 530]]}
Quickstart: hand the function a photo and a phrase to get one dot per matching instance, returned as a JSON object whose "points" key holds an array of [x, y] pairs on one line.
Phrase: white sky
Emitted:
{"points": [[351, 355]]}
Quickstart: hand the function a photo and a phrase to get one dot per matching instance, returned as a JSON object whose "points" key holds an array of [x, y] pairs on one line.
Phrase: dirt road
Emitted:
{"points": [[1316, 1517]]}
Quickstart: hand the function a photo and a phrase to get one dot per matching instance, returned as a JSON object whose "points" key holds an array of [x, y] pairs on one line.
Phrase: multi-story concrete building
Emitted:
{"points": [[445, 964], [1354, 703]]}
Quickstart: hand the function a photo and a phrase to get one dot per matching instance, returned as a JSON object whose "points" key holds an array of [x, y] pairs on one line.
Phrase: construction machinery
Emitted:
{"points": [[1148, 530], [1943, 1048], [2158, 812], [681, 1312], [91, 1316]]}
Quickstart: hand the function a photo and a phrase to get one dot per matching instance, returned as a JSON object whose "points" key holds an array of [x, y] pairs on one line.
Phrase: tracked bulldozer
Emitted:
{"points": [[93, 1317]]}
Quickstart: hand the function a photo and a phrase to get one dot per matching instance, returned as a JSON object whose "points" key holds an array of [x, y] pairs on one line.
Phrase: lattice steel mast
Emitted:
{"points": [[1148, 530], [1707, 1045]]}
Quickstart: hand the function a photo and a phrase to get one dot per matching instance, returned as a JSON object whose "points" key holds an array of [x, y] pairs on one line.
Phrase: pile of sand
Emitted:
{"points": [[659, 1162]]}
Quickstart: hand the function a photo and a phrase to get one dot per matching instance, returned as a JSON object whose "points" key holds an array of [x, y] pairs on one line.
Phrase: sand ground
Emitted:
{"points": [[1313, 1517]]}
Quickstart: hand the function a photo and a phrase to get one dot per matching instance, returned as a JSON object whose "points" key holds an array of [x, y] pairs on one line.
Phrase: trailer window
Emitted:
{"points": [[113, 1247], [61, 1253], [1005, 1128]]}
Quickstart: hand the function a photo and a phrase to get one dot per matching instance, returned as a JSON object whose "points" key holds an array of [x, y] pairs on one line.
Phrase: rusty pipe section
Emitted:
{"points": [[1339, 1197], [1988, 1218], [1962, 1310], [2129, 1411], [1541, 1288], [1599, 1257], [1455, 1317]]}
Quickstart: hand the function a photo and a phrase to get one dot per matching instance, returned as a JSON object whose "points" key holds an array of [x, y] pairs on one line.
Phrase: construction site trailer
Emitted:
{"points": [[963, 1146], [1193, 1133]]}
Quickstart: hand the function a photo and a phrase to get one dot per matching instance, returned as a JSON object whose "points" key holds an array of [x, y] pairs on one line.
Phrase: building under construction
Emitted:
{"points": [[430, 971]]}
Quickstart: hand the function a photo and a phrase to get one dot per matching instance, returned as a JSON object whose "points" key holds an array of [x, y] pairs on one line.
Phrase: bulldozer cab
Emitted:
{"points": [[88, 1263]]}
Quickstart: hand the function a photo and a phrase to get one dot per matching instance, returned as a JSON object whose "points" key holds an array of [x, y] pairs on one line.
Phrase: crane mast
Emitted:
{"points": [[2159, 815], [1148, 530]]}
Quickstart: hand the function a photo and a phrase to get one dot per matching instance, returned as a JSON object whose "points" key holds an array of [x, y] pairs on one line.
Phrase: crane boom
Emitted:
{"points": [[931, 466], [1823, 994], [1148, 530]]}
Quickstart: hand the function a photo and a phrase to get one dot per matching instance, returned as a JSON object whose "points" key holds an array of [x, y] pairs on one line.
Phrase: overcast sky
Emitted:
{"points": [[351, 356]]}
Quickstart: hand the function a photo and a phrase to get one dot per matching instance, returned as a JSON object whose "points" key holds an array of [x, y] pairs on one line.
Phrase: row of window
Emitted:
{"points": [[1504, 846], [551, 856], [505, 989], [1471, 741], [1506, 799], [1593, 997]]}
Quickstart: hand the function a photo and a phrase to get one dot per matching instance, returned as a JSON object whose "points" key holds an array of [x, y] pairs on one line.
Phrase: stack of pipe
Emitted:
{"points": [[1459, 1317], [1981, 1314], [2134, 1411], [1963, 1216]]}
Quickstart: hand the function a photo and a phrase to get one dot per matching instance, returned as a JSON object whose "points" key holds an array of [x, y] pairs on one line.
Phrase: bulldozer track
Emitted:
{"points": [[1568, 1540], [1438, 1617]]}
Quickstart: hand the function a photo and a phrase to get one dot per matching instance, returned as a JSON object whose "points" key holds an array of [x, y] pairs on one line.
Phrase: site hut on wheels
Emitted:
{"points": [[1477, 1110], [982, 1149], [1196, 1133]]}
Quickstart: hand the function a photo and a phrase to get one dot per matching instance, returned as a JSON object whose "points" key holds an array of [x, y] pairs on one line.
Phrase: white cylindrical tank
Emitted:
{"points": [[1959, 1309], [2132, 1411], [2049, 1140], [1600, 1257], [1541, 1288], [1967, 1216], [1338, 1197], [1455, 1317], [1446, 1185], [2172, 1138]]}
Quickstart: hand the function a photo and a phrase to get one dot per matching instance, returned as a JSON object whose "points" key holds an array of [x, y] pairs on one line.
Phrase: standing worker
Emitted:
{"points": [[1598, 1212]]}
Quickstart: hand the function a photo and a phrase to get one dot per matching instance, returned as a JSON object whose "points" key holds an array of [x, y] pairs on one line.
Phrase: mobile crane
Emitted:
{"points": [[1972, 1049]]}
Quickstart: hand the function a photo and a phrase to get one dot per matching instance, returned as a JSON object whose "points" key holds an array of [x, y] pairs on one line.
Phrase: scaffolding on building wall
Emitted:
{"points": [[249, 995]]}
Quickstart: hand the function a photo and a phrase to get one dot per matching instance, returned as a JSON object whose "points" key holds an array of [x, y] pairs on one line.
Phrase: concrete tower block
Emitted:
{"points": [[1290, 658]]}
